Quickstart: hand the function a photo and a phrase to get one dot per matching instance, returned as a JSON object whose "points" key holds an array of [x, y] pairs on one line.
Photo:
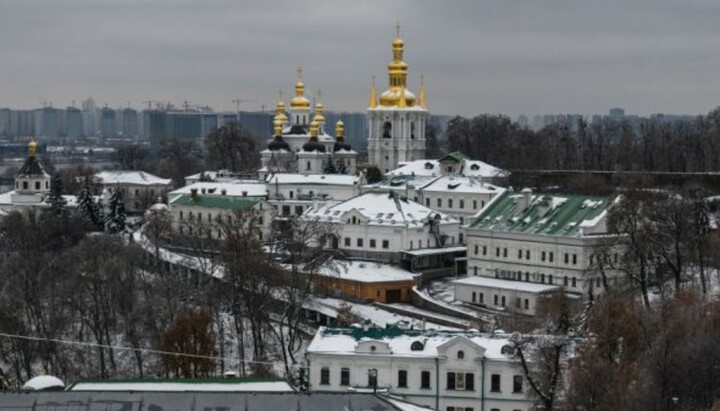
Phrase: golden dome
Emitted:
{"points": [[319, 109], [299, 102], [397, 94], [32, 148], [280, 112], [314, 128], [278, 125], [339, 130]]}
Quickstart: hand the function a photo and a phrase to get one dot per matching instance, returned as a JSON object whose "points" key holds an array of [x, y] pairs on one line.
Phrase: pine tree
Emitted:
{"points": [[86, 208], [115, 218], [330, 167], [57, 201], [373, 175], [341, 169]]}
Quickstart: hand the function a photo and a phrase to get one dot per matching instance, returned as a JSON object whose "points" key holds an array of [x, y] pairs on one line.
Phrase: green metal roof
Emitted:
{"points": [[217, 201], [547, 214], [456, 156]]}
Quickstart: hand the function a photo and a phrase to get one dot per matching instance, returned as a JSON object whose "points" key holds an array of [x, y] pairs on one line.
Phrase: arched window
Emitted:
{"points": [[412, 130], [417, 346], [387, 128], [460, 355]]}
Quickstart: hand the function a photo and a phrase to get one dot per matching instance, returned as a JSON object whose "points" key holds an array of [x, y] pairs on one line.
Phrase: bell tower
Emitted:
{"points": [[396, 118]]}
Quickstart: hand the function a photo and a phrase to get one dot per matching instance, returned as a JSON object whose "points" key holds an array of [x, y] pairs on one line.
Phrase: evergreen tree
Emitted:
{"points": [[115, 218], [57, 201], [373, 175], [330, 167], [341, 169], [86, 208]]}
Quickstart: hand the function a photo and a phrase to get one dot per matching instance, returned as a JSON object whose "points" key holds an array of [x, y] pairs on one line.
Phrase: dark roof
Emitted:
{"points": [[216, 201], [32, 167], [192, 401], [295, 129], [341, 145], [278, 144], [314, 145], [455, 156]]}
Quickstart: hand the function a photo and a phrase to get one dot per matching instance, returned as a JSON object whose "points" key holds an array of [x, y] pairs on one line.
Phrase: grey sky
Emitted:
{"points": [[506, 56]]}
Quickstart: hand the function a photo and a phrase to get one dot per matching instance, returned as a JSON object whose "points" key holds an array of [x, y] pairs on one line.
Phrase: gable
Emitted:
{"points": [[451, 348]]}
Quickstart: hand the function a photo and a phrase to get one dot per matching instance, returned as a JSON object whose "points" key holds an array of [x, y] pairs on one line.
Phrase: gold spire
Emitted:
{"points": [[314, 128], [280, 113], [397, 76], [373, 95], [403, 101], [319, 110], [278, 125], [421, 94], [32, 148], [299, 102], [340, 130]]}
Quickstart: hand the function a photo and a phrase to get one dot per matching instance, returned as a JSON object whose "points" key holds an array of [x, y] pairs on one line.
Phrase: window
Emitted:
{"points": [[551, 256], [181, 215], [503, 301], [476, 247], [574, 259], [308, 167], [461, 355], [460, 381], [495, 383], [359, 242], [505, 252], [517, 383], [567, 258], [37, 185], [345, 376], [427, 202], [527, 304], [462, 203], [565, 281], [475, 204], [402, 378], [497, 251], [527, 254], [518, 302], [474, 296], [347, 241], [542, 256], [495, 299], [25, 185], [439, 202], [411, 244], [386, 244], [574, 282], [520, 253], [425, 379], [484, 250], [298, 210], [286, 210], [325, 376], [542, 278], [550, 279], [481, 298], [372, 243], [291, 194], [527, 276], [450, 203]]}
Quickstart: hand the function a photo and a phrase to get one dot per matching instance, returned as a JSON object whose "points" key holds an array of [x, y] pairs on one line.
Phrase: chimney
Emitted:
{"points": [[193, 192], [244, 193], [525, 199], [223, 192]]}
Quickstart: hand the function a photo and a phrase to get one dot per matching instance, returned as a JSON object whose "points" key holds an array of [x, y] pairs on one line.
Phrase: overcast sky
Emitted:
{"points": [[506, 56]]}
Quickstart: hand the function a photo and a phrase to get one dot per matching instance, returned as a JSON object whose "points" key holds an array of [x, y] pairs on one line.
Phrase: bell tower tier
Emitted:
{"points": [[396, 118]]}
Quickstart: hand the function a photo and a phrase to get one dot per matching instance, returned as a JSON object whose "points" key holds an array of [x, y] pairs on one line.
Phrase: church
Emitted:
{"points": [[301, 144], [397, 118]]}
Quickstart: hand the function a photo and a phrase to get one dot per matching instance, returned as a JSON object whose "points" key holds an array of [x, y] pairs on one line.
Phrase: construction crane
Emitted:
{"points": [[238, 101]]}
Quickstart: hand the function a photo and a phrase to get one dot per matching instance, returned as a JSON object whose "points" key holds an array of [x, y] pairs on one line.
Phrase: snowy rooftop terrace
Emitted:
{"points": [[367, 272], [131, 177], [510, 285], [184, 385]]}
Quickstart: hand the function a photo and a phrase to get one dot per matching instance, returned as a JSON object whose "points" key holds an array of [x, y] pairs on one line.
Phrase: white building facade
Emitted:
{"points": [[442, 370], [140, 189]]}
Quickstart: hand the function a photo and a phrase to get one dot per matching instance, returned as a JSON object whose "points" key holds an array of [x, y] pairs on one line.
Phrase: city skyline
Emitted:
{"points": [[527, 57]]}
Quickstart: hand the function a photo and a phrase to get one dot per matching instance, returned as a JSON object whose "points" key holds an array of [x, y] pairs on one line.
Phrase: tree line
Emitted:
{"points": [[608, 145]]}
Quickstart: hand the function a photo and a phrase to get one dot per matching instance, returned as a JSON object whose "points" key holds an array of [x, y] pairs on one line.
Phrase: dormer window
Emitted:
{"points": [[373, 348], [428, 166], [417, 346], [474, 167]]}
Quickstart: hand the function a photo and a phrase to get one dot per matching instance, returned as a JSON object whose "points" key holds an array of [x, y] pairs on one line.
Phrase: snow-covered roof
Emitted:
{"points": [[435, 251], [510, 285], [367, 272], [344, 341], [219, 176], [461, 184], [378, 208], [179, 385], [43, 382], [232, 189], [330, 179], [6, 199], [467, 167], [140, 178]]}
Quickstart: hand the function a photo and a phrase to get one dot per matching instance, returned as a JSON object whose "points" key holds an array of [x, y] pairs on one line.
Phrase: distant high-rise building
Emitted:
{"points": [[154, 124], [73, 122], [89, 115], [46, 122], [25, 123], [6, 126], [108, 126], [208, 122], [183, 125], [258, 123], [617, 113], [130, 122], [522, 121]]}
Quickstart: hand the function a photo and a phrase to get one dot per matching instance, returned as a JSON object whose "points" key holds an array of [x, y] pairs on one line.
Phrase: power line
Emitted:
{"points": [[120, 348]]}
